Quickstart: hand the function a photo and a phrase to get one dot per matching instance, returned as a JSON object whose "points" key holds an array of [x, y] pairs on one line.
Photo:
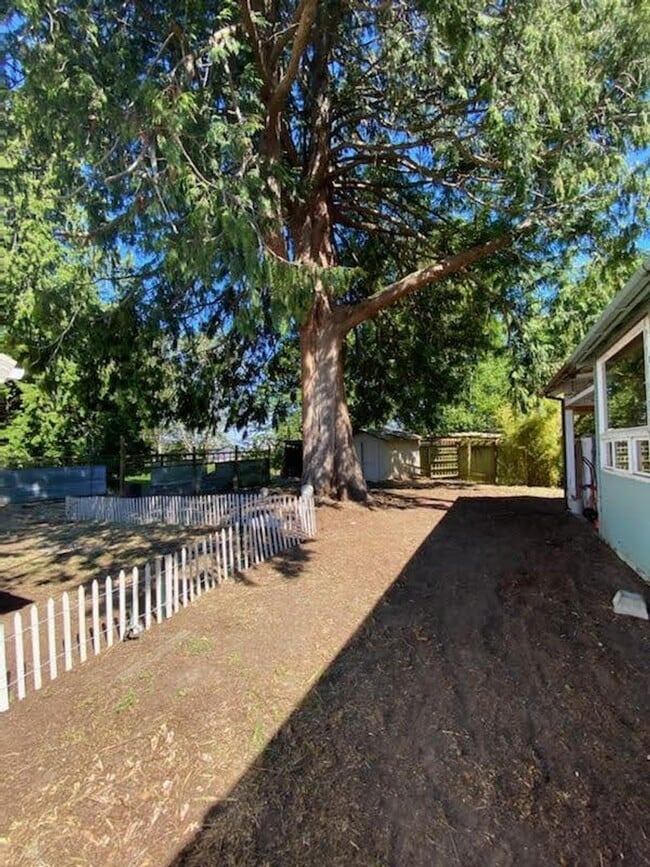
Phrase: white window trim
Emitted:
{"points": [[629, 435]]}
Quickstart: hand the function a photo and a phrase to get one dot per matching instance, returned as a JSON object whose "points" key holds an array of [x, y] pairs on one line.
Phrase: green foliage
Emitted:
{"points": [[46, 429], [547, 321], [170, 228], [530, 451], [414, 361], [480, 404], [525, 107]]}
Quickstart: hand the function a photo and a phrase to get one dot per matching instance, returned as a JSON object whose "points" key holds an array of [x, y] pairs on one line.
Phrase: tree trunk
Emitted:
{"points": [[330, 462]]}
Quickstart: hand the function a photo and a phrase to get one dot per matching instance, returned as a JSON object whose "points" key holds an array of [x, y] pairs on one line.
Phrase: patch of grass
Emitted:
{"points": [[196, 646], [145, 677], [182, 691], [128, 700], [258, 735], [234, 657]]}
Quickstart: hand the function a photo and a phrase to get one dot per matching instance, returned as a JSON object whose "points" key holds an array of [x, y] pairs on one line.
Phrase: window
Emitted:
{"points": [[621, 455], [624, 374], [642, 459], [627, 403]]}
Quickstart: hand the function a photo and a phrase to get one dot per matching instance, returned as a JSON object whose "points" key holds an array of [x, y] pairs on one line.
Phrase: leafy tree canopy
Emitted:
{"points": [[262, 159]]}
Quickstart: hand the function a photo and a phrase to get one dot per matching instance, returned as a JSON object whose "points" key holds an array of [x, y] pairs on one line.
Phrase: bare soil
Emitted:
{"points": [[436, 680]]}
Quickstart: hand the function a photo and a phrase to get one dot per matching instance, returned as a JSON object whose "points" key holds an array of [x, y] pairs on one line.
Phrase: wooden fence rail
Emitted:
{"points": [[65, 633]]}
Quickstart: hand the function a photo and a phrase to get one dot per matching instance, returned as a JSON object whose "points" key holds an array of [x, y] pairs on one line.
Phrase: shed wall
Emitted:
{"points": [[382, 460]]}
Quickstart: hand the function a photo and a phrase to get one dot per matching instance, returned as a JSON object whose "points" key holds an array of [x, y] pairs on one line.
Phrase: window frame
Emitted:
{"points": [[627, 439]]}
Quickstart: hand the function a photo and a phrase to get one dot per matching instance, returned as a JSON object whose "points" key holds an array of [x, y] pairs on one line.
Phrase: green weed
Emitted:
{"points": [[128, 700], [197, 646]]}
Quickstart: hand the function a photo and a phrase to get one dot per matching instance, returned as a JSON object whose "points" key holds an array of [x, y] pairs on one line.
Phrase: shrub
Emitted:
{"points": [[530, 452]]}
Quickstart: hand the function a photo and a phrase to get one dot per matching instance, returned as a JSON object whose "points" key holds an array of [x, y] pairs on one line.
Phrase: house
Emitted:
{"points": [[388, 454], [607, 475]]}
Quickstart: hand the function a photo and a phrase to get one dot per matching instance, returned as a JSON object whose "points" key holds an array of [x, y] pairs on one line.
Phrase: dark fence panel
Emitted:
{"points": [[51, 483], [210, 478]]}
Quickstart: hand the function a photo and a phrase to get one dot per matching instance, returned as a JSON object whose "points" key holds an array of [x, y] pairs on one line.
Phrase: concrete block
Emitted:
{"points": [[633, 604]]}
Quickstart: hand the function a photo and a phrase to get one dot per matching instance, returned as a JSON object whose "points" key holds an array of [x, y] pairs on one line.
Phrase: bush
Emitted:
{"points": [[530, 452]]}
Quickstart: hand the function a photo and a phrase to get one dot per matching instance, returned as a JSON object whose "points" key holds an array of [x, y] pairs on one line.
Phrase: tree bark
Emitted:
{"points": [[330, 462]]}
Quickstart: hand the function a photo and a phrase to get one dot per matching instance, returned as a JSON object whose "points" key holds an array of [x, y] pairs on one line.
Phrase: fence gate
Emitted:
{"points": [[439, 459]]}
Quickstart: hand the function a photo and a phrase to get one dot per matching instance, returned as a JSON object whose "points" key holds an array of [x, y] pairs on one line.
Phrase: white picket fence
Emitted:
{"points": [[209, 510], [87, 622]]}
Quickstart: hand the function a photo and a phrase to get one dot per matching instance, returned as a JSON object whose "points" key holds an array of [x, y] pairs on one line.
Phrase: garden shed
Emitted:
{"points": [[388, 454], [607, 474]]}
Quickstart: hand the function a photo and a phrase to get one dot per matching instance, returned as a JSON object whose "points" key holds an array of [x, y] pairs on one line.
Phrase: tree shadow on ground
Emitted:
{"points": [[393, 499], [290, 563], [489, 711], [39, 548], [10, 602]]}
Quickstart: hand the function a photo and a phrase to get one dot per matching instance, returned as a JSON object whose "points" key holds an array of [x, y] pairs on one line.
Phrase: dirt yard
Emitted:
{"points": [[42, 555], [436, 680]]}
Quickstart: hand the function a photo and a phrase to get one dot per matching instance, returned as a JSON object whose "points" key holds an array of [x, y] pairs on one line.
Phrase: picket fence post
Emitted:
{"points": [[108, 601], [95, 616], [169, 601], [159, 611], [186, 592], [51, 639], [36, 647], [20, 654], [4, 685], [135, 596], [147, 596], [81, 621], [121, 617], [67, 632]]}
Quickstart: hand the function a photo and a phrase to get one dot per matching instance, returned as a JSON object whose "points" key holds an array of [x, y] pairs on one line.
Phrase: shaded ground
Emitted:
{"points": [[41, 554], [439, 680]]}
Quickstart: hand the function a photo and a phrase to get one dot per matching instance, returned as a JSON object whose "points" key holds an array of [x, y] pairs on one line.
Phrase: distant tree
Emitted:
{"points": [[546, 324], [175, 437], [252, 153], [481, 404]]}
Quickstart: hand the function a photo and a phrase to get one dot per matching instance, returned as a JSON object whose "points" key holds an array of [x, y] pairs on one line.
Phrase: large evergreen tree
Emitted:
{"points": [[254, 151]]}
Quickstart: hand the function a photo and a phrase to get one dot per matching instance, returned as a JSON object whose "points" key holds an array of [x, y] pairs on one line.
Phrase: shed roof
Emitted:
{"points": [[389, 434], [620, 314]]}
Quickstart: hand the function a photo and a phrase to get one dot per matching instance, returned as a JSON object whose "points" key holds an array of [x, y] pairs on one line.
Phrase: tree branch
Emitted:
{"points": [[306, 15], [350, 315], [253, 34], [129, 170]]}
